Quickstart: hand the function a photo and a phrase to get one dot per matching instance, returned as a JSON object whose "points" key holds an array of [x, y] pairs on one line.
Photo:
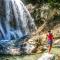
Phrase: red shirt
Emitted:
{"points": [[50, 37]]}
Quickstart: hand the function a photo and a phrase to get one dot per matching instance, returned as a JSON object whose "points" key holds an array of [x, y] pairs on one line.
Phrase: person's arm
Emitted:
{"points": [[46, 37], [52, 37]]}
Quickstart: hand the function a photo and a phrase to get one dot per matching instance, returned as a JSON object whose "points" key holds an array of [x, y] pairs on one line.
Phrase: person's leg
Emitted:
{"points": [[49, 48]]}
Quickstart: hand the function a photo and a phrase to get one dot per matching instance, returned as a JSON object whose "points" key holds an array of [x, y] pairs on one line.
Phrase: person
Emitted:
{"points": [[50, 40]]}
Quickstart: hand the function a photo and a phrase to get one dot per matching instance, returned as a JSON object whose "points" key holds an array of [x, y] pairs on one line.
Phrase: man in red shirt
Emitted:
{"points": [[50, 40]]}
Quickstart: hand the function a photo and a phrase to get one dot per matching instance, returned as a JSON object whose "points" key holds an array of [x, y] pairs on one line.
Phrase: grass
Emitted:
{"points": [[56, 51]]}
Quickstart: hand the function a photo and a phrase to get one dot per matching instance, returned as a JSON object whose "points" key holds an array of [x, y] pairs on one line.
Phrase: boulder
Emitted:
{"points": [[29, 48], [15, 51], [47, 56], [34, 45]]}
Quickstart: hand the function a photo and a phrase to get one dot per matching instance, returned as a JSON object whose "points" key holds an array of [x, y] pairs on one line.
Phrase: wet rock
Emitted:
{"points": [[47, 56], [29, 48], [45, 11], [34, 45], [15, 51], [9, 47], [30, 7]]}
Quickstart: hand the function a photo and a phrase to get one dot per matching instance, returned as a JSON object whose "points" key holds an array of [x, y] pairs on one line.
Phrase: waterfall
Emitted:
{"points": [[17, 21]]}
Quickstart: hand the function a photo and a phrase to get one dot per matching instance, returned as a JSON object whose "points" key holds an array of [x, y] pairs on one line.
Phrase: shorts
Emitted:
{"points": [[50, 42]]}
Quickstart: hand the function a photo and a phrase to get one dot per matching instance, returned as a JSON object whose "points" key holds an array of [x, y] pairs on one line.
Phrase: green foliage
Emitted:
{"points": [[33, 1], [54, 1], [41, 1]]}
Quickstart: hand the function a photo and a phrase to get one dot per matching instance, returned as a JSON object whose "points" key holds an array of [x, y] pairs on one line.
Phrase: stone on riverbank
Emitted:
{"points": [[47, 56]]}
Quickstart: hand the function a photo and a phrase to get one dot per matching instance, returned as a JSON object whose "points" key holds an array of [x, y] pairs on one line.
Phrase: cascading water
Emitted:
{"points": [[15, 21]]}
